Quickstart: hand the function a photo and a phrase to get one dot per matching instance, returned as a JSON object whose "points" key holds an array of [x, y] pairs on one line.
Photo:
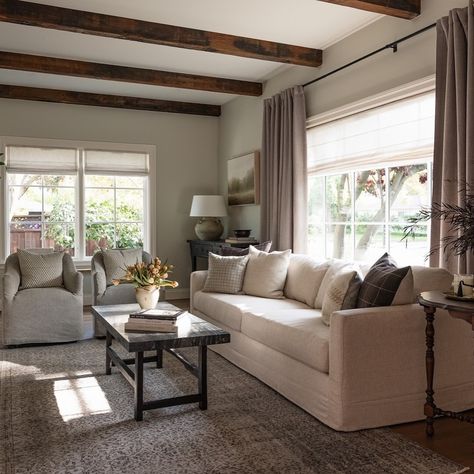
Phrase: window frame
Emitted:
{"points": [[149, 215], [424, 85]]}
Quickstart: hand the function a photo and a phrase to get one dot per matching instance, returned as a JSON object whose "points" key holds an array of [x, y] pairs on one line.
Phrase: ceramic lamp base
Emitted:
{"points": [[208, 228]]}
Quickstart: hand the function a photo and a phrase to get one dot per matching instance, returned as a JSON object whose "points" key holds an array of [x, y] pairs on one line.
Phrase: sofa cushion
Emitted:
{"points": [[225, 274], [335, 266], [238, 252], [40, 270], [304, 278], [115, 262], [228, 309], [342, 292], [386, 284], [298, 333], [430, 279], [265, 275]]}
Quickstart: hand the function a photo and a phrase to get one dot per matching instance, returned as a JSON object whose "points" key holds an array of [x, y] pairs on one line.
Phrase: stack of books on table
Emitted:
{"points": [[154, 320], [241, 240]]}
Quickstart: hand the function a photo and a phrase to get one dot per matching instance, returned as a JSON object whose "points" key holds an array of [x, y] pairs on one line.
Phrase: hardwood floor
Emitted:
{"points": [[452, 439]]}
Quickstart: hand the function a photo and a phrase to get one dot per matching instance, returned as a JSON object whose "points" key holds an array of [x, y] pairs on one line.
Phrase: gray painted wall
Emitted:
{"points": [[186, 159], [241, 121]]}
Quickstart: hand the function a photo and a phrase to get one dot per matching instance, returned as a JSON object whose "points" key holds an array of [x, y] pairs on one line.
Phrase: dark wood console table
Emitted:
{"points": [[464, 310], [201, 248]]}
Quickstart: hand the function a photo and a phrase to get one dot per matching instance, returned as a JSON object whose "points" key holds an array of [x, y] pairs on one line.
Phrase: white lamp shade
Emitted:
{"points": [[208, 206]]}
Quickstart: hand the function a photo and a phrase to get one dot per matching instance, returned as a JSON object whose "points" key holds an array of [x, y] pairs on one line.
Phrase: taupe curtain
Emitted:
{"points": [[453, 167], [283, 171]]}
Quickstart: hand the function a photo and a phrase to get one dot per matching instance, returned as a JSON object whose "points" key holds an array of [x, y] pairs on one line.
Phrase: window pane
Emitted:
{"points": [[25, 234], [409, 191], [130, 181], [62, 181], [315, 199], [34, 200], [370, 196], [370, 242], [412, 251], [129, 205], [339, 241], [316, 240], [99, 205], [99, 236], [60, 237], [25, 201], [59, 204], [129, 235], [99, 181], [338, 198], [15, 179]]}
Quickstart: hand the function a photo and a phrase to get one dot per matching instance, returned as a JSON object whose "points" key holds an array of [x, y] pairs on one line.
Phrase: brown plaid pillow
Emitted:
{"points": [[381, 284], [236, 252]]}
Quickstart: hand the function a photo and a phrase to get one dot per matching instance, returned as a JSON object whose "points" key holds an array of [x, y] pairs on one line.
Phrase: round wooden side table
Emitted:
{"points": [[431, 300]]}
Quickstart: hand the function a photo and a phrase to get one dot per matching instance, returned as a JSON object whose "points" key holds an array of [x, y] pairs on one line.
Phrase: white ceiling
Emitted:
{"points": [[302, 22]]}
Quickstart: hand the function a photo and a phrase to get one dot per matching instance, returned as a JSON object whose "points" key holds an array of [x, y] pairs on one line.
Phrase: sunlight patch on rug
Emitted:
{"points": [[80, 397]]}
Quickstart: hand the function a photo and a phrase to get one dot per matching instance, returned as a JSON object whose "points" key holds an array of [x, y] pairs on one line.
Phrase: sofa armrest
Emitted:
{"points": [[71, 277], [197, 281], [11, 284], [378, 354]]}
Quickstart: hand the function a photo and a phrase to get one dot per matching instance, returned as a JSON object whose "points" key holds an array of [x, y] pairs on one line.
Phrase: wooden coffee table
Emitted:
{"points": [[193, 331]]}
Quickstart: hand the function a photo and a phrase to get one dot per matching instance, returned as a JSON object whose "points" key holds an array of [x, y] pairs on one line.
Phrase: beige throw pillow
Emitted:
{"points": [[335, 266], [40, 270], [115, 261], [266, 273], [342, 292], [225, 274], [304, 278]]}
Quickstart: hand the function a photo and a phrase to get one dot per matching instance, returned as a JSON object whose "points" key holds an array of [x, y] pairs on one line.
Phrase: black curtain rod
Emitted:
{"points": [[393, 46]]}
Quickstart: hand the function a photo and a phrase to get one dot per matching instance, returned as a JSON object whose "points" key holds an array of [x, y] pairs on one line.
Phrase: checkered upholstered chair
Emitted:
{"points": [[41, 314], [103, 291]]}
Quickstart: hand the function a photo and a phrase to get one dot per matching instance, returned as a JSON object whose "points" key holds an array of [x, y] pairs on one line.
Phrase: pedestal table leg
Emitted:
{"points": [[430, 361]]}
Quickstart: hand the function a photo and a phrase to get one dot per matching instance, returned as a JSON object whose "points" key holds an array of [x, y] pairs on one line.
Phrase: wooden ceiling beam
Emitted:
{"points": [[69, 67], [77, 21], [406, 9], [104, 100]]}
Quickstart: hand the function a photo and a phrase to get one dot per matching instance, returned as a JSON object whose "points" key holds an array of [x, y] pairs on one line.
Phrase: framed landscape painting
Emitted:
{"points": [[243, 179]]}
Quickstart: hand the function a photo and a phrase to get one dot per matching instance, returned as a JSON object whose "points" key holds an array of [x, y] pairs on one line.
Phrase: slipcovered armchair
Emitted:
{"points": [[41, 315], [102, 273]]}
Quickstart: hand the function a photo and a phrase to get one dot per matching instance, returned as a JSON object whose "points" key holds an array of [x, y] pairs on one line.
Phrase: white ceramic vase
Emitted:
{"points": [[148, 296]]}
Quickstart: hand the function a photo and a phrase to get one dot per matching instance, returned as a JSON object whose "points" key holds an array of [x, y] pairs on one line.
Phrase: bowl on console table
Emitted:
{"points": [[242, 233]]}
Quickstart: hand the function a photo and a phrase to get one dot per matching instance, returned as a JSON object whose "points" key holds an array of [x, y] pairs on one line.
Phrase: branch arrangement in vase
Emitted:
{"points": [[460, 220]]}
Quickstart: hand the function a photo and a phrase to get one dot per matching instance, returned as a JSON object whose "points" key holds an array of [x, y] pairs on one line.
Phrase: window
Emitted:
{"points": [[368, 173], [76, 199]]}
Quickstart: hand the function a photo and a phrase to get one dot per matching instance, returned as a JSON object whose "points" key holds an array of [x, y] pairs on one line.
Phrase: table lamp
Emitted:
{"points": [[208, 209]]}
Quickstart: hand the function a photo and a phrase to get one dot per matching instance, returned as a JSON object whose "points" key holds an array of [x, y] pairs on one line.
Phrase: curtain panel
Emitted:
{"points": [[453, 165], [283, 171]]}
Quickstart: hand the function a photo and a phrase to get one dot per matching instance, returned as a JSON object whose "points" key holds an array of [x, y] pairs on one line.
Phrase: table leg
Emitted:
{"points": [[108, 362], [159, 358], [138, 386], [202, 377], [430, 361]]}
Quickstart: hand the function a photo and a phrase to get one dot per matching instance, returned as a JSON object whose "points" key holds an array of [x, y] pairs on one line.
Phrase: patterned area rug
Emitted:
{"points": [[60, 414]]}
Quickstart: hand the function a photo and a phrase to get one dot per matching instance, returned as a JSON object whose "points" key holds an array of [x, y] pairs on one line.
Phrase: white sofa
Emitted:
{"points": [[366, 370]]}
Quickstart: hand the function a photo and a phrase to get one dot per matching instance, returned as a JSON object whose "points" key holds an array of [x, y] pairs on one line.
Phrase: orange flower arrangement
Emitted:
{"points": [[143, 275]]}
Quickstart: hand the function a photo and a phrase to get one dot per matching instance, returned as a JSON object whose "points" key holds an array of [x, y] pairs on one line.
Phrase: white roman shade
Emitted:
{"points": [[399, 132], [116, 163], [24, 159]]}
